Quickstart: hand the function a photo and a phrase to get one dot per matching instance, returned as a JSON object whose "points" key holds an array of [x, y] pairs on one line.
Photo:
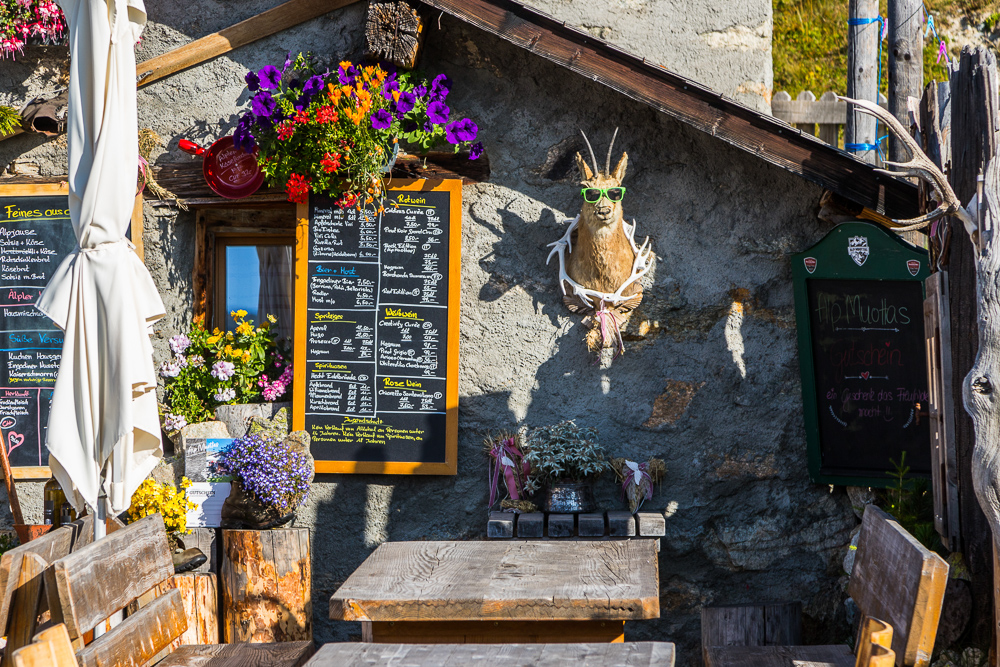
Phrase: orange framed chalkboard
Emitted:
{"points": [[376, 331]]}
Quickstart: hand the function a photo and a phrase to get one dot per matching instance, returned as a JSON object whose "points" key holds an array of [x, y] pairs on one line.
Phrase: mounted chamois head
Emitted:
{"points": [[607, 208]]}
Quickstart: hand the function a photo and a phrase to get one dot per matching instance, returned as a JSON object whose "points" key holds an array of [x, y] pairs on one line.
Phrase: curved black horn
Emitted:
{"points": [[592, 158], [607, 163]]}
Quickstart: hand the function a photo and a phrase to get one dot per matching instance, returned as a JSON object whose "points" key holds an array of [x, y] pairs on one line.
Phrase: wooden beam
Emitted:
{"points": [[770, 139], [274, 20]]}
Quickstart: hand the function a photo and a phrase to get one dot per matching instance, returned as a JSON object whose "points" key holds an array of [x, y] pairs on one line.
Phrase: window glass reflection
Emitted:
{"points": [[259, 281]]}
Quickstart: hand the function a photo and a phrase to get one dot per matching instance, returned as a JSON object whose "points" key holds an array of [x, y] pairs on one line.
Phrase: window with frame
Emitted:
{"points": [[245, 260]]}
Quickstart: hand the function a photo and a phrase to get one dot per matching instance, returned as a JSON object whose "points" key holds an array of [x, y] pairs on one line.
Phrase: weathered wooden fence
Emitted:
{"points": [[823, 117]]}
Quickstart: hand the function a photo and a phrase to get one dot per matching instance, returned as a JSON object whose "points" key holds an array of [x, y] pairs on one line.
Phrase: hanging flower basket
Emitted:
{"points": [[338, 133], [29, 22]]}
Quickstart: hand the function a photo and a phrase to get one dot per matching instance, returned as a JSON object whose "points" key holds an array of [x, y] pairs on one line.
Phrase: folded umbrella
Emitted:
{"points": [[103, 432]]}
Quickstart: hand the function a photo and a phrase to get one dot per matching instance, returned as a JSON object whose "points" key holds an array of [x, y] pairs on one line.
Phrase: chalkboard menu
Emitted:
{"points": [[859, 312], [35, 235], [376, 331]]}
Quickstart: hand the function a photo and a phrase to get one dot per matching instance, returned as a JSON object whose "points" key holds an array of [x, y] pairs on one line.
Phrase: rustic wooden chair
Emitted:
{"points": [[89, 585], [51, 648], [895, 578], [873, 645], [21, 587]]}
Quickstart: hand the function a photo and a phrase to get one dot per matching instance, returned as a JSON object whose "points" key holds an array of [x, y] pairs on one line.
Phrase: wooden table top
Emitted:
{"points": [[639, 654], [503, 580]]}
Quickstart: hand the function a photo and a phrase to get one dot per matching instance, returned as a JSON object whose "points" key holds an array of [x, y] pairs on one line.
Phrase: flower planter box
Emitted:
{"points": [[266, 579]]}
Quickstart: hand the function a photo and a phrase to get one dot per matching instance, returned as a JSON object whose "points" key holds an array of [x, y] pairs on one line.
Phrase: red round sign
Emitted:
{"points": [[229, 171]]}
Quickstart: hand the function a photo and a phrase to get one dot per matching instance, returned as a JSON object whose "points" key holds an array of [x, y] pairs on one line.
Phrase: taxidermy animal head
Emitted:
{"points": [[599, 262]]}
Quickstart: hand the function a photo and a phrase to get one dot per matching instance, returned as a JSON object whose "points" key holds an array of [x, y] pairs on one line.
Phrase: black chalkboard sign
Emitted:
{"points": [[35, 235], [376, 331], [859, 311]]}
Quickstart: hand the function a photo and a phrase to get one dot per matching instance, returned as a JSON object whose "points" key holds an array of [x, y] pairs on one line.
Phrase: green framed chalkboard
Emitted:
{"points": [[859, 313]]}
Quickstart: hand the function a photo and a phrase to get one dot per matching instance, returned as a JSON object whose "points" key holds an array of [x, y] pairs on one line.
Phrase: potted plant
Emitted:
{"points": [[213, 368], [565, 459], [154, 497], [337, 133], [29, 21], [271, 480]]}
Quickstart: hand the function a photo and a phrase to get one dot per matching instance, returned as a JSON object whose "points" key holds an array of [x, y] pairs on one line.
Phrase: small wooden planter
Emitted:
{"points": [[266, 579]]}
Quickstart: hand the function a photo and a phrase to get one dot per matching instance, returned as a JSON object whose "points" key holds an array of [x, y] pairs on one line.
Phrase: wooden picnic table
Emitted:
{"points": [[639, 654], [502, 592]]}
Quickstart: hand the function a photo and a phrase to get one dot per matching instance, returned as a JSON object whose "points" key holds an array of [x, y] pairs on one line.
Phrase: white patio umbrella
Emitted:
{"points": [[104, 431]]}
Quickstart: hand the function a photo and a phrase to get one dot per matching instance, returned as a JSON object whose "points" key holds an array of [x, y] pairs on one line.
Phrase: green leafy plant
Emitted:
{"points": [[10, 120], [216, 368], [563, 453], [911, 502]]}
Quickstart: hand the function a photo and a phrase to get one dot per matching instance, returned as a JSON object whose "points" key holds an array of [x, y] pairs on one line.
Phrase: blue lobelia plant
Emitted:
{"points": [[270, 471]]}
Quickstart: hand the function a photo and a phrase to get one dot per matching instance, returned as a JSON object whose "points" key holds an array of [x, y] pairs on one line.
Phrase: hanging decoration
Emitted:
{"points": [[506, 462], [599, 261]]}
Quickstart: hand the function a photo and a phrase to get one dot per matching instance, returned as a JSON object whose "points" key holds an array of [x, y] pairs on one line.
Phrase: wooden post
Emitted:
{"points": [[906, 64], [862, 75], [972, 143], [906, 75], [266, 585]]}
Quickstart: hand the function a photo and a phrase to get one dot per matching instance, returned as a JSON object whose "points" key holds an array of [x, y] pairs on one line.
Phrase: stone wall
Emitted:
{"points": [[710, 380]]}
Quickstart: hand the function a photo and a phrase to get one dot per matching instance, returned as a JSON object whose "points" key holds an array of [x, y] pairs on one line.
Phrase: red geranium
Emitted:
{"points": [[330, 163], [286, 130], [297, 189], [301, 117], [326, 115]]}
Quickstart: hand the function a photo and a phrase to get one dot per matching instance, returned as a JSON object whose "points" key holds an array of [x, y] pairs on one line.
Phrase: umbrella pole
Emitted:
{"points": [[100, 530]]}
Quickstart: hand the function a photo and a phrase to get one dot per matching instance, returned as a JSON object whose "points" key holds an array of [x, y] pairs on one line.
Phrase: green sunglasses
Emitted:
{"points": [[593, 195]]}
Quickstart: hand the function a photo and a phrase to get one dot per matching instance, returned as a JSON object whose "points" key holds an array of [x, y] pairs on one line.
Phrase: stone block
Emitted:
{"points": [[531, 525], [237, 417], [500, 525], [591, 525], [561, 525], [651, 524], [621, 524]]}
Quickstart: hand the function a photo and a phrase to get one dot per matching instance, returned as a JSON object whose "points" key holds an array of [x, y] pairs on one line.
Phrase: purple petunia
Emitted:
{"points": [[253, 82], [288, 62], [437, 112], [269, 77], [313, 86], [346, 76], [263, 104], [381, 119], [420, 91], [390, 86], [406, 102], [440, 87], [461, 130], [476, 150], [242, 137]]}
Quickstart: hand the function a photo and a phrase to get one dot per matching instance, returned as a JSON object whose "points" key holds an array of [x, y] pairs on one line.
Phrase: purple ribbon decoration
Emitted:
{"points": [[503, 460], [610, 329], [635, 473]]}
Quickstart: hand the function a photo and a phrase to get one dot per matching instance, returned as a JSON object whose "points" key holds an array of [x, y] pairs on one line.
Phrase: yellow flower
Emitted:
{"points": [[244, 329], [229, 336], [246, 357], [238, 314], [271, 318], [228, 350], [212, 340]]}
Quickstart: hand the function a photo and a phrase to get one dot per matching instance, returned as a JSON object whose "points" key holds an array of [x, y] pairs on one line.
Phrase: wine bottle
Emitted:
{"points": [[53, 493]]}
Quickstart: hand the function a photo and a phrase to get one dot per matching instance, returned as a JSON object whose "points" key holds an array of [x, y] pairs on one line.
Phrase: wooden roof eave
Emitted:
{"points": [[760, 134]]}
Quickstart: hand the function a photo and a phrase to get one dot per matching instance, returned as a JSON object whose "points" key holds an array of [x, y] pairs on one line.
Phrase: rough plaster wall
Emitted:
{"points": [[723, 45], [709, 382]]}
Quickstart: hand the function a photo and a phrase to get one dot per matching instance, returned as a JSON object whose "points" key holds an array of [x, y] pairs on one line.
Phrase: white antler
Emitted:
{"points": [[920, 166]]}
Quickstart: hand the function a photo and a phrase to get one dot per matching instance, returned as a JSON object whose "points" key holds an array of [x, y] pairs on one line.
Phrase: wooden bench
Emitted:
{"points": [[50, 648], [638, 654], [895, 579], [91, 584], [21, 580]]}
